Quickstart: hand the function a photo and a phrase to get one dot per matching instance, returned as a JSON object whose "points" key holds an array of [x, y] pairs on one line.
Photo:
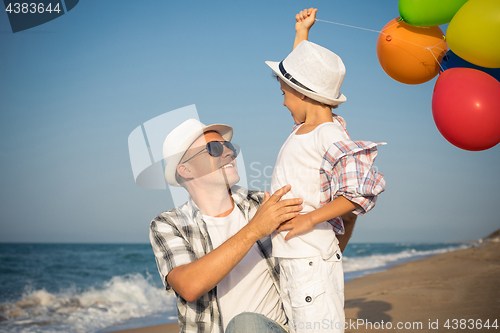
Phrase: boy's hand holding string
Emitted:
{"points": [[304, 21]]}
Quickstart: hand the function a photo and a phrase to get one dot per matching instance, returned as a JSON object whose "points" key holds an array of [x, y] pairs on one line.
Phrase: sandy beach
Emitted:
{"points": [[460, 289]]}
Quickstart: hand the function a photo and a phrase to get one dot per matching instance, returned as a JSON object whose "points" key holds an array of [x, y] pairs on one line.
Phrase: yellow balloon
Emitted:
{"points": [[474, 33]]}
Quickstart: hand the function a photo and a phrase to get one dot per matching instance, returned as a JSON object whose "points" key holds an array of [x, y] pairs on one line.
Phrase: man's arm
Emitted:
{"points": [[304, 21], [197, 278]]}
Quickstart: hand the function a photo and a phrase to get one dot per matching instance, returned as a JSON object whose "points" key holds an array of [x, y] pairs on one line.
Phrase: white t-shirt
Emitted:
{"points": [[248, 287], [298, 164]]}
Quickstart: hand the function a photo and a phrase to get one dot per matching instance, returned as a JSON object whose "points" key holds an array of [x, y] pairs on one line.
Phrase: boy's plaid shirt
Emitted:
{"points": [[347, 170], [180, 236]]}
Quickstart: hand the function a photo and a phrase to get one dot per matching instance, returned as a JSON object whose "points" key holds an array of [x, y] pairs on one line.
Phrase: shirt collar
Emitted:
{"points": [[238, 193]]}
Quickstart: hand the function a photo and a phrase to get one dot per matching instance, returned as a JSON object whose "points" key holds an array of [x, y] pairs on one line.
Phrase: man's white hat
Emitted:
{"points": [[313, 71], [181, 138]]}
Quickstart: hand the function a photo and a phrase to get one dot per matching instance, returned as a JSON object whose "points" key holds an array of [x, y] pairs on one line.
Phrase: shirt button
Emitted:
{"points": [[338, 256], [309, 299], [310, 263]]}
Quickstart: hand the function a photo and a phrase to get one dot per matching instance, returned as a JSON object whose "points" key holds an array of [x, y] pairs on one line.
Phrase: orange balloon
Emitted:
{"points": [[410, 54]]}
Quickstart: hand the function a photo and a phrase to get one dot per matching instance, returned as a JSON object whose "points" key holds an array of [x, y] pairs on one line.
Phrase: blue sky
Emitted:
{"points": [[73, 89]]}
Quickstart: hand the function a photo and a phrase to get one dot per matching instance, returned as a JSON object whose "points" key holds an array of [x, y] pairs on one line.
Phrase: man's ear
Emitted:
{"points": [[184, 171]]}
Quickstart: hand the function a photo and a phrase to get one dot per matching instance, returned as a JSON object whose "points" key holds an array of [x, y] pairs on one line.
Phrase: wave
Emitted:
{"points": [[381, 261], [119, 299]]}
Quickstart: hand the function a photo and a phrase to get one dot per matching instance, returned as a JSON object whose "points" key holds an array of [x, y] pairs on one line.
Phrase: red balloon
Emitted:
{"points": [[466, 108]]}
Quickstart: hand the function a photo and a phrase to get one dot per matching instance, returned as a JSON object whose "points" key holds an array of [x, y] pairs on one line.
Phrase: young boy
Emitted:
{"points": [[331, 173]]}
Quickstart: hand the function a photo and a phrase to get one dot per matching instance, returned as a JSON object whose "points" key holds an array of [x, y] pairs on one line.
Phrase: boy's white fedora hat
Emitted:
{"points": [[313, 71], [181, 138]]}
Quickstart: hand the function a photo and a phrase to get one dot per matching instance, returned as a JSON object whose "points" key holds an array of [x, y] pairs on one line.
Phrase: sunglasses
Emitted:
{"points": [[216, 148]]}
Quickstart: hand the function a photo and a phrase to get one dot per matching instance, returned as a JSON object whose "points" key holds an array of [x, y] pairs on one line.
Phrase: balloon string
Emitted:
{"points": [[377, 31], [351, 26], [397, 22], [383, 33], [442, 70]]}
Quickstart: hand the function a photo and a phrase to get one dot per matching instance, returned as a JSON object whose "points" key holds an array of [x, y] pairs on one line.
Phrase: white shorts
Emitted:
{"points": [[312, 290]]}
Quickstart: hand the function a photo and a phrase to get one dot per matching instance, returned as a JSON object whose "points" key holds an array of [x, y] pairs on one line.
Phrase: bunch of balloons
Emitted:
{"points": [[412, 49]]}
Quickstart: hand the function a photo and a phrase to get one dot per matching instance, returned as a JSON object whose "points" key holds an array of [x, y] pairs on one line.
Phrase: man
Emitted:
{"points": [[214, 251]]}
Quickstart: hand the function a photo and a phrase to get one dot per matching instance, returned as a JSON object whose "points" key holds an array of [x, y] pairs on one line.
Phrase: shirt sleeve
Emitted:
{"points": [[347, 170], [170, 247]]}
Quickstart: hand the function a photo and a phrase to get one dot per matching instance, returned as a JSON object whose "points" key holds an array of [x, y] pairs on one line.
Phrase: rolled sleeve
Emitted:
{"points": [[348, 171], [171, 249]]}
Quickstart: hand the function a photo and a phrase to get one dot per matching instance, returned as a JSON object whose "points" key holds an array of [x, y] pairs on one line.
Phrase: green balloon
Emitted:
{"points": [[428, 13]]}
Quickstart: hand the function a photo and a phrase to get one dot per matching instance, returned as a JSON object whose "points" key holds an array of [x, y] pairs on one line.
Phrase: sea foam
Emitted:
{"points": [[363, 264], [121, 298]]}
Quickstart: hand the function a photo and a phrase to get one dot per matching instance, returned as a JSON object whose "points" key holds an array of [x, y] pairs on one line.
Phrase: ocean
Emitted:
{"points": [[97, 288]]}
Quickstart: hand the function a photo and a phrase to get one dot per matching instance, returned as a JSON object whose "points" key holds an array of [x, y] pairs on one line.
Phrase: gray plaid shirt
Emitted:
{"points": [[180, 236]]}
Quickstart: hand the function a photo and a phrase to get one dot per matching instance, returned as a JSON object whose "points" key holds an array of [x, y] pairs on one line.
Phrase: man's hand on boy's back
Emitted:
{"points": [[304, 21]]}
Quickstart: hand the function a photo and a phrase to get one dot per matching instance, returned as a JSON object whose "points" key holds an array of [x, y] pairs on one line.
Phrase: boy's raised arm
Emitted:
{"points": [[304, 21]]}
